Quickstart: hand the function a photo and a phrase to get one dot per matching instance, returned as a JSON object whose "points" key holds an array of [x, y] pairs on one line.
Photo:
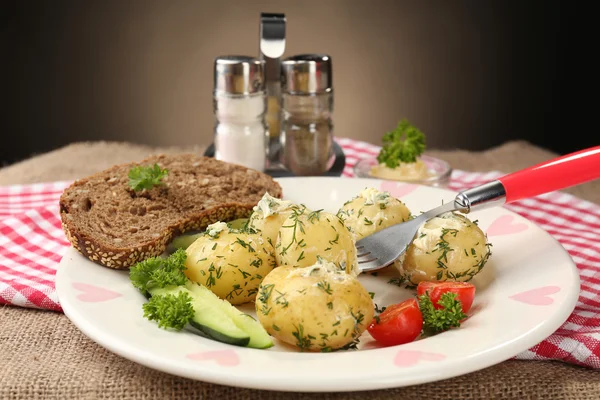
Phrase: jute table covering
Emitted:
{"points": [[42, 355]]}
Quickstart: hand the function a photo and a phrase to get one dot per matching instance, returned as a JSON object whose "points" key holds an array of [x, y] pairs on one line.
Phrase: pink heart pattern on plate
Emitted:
{"points": [[504, 225], [537, 297], [397, 190], [94, 294], [408, 358], [225, 358]]}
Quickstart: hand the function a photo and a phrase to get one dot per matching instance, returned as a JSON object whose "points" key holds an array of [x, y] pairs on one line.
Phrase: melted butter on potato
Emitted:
{"points": [[315, 308], [229, 262], [305, 236], [268, 216], [447, 247], [371, 211]]}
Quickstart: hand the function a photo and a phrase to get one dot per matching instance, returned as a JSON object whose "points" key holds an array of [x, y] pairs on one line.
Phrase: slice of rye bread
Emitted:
{"points": [[112, 225]]}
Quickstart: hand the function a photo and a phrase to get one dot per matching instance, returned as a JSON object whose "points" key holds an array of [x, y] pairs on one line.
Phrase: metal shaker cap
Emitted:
{"points": [[238, 75], [306, 74]]}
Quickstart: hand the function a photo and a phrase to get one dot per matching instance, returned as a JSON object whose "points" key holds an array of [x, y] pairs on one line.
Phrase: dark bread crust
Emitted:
{"points": [[98, 212]]}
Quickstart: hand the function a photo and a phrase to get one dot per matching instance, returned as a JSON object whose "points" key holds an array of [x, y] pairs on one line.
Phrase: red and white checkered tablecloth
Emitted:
{"points": [[32, 243]]}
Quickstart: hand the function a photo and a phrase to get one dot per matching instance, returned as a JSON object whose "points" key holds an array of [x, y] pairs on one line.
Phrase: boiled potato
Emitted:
{"points": [[185, 240], [372, 211], [229, 262], [268, 216], [306, 236], [447, 247], [315, 308]]}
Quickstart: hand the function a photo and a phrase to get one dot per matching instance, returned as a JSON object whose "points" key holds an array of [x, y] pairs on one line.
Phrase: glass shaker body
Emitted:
{"points": [[240, 129], [307, 133]]}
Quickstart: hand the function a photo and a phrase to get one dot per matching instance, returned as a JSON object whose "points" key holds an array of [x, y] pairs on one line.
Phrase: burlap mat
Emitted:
{"points": [[43, 356]]}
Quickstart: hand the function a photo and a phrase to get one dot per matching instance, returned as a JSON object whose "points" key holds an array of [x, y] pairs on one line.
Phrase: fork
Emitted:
{"points": [[381, 248]]}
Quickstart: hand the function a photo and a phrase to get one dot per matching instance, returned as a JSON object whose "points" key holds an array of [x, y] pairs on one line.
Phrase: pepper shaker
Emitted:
{"points": [[307, 105], [239, 103]]}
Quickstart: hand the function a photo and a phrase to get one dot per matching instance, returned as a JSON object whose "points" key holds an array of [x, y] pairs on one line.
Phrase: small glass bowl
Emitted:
{"points": [[439, 171]]}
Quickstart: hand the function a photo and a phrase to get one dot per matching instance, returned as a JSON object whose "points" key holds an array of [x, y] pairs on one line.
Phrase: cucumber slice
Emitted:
{"points": [[239, 223], [184, 241], [259, 338], [216, 325]]}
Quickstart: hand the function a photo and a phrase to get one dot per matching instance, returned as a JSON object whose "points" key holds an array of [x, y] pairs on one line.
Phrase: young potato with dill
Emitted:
{"points": [[307, 235], [229, 262], [371, 211], [315, 308], [448, 247], [268, 216]]}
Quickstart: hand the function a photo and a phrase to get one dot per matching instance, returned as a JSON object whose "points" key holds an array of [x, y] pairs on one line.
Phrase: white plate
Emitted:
{"points": [[526, 291]]}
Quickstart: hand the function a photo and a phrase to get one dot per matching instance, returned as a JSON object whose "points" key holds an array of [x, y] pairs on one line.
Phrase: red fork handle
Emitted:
{"points": [[555, 174]]}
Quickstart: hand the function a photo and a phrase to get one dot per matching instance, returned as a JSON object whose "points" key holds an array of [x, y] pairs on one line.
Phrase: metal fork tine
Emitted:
{"points": [[366, 261], [372, 265], [388, 244], [363, 254]]}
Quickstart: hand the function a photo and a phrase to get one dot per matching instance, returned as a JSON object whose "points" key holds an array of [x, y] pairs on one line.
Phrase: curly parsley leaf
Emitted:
{"points": [[159, 272], [439, 320], [403, 144], [172, 311], [146, 177]]}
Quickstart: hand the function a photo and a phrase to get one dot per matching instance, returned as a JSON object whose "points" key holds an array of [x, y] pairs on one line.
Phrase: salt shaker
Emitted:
{"points": [[239, 102], [307, 104]]}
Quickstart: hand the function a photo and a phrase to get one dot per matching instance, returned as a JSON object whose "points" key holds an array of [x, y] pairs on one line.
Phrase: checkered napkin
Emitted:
{"points": [[32, 243]]}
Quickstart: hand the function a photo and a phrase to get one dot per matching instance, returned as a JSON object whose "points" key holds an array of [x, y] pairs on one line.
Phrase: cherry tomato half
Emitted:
{"points": [[397, 324], [465, 292]]}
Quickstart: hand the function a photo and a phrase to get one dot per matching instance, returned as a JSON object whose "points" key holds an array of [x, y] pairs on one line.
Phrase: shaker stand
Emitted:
{"points": [[276, 169]]}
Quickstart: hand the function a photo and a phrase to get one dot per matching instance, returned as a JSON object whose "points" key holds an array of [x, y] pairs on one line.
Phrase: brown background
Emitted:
{"points": [[470, 74]]}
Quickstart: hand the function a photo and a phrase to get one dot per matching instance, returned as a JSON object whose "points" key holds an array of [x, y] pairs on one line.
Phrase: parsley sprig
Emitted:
{"points": [[403, 144], [170, 310], [439, 320], [141, 178]]}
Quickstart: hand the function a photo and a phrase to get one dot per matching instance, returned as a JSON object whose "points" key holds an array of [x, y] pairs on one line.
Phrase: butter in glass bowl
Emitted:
{"points": [[401, 159], [426, 170]]}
